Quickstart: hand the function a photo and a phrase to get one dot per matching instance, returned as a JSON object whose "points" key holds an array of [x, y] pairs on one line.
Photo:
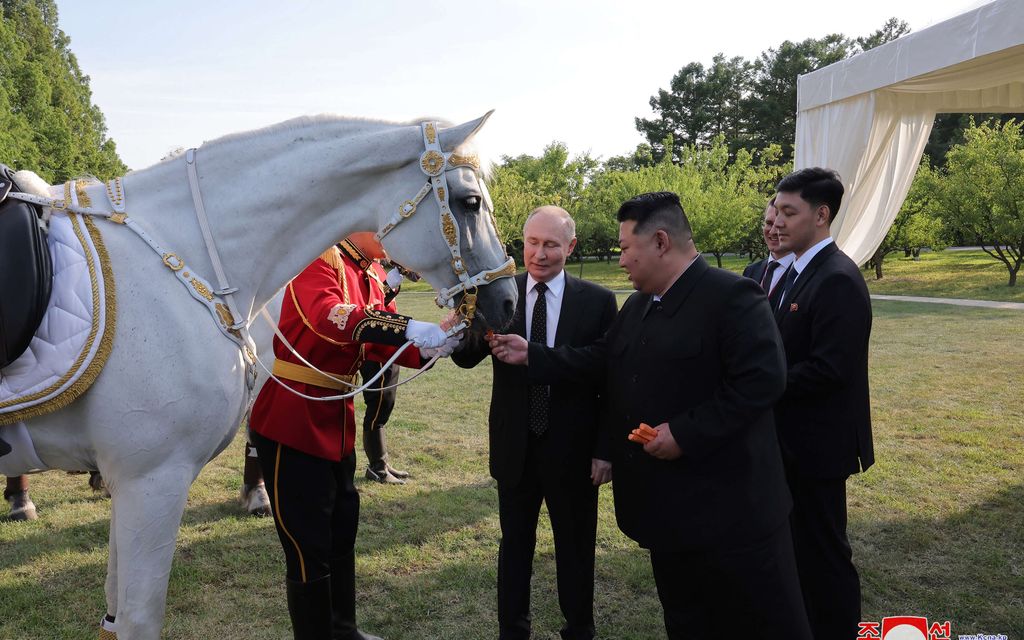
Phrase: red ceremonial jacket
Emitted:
{"points": [[334, 313]]}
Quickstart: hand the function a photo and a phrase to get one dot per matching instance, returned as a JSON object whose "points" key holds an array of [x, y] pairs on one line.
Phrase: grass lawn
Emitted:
{"points": [[946, 274], [937, 524]]}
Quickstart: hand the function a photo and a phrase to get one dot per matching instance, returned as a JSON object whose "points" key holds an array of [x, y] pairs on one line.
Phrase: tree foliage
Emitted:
{"points": [[979, 194], [751, 103], [47, 120], [521, 184]]}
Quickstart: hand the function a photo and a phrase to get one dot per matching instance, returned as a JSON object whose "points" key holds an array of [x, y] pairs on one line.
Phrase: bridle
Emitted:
{"points": [[434, 162], [220, 301]]}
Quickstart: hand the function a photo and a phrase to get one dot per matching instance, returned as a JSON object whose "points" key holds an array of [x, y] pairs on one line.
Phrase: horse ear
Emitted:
{"points": [[452, 137]]}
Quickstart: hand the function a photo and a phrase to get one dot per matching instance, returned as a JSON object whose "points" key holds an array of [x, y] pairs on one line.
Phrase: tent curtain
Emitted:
{"points": [[869, 117], [875, 142]]}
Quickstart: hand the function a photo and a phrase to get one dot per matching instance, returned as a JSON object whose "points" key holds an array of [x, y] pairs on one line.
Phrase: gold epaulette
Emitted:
{"points": [[332, 257], [306, 375]]}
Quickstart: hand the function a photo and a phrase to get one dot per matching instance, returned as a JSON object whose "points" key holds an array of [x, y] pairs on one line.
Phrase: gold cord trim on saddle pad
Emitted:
{"points": [[106, 340], [306, 375]]}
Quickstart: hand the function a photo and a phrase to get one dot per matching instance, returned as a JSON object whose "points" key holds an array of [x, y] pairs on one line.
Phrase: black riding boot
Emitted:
{"points": [[377, 468], [309, 605], [343, 600]]}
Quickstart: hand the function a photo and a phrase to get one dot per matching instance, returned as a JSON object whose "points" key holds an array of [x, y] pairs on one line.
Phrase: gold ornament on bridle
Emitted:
{"points": [[434, 162]]}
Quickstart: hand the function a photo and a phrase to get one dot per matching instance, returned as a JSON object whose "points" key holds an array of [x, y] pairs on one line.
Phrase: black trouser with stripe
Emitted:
{"points": [[379, 404], [315, 505]]}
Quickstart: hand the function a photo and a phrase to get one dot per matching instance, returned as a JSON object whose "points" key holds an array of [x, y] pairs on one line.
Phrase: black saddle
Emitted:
{"points": [[26, 272]]}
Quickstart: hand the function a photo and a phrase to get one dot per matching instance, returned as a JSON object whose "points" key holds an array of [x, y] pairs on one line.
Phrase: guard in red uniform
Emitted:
{"points": [[335, 315]]}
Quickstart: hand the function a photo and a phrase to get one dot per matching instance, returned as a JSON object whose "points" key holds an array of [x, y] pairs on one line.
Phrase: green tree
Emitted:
{"points": [[892, 29], [47, 120], [753, 104], [979, 195], [699, 105], [770, 109], [521, 184]]}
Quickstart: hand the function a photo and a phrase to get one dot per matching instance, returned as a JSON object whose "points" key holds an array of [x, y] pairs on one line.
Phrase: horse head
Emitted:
{"points": [[447, 232]]}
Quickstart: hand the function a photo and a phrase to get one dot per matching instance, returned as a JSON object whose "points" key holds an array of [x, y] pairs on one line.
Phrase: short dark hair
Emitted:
{"points": [[659, 210], [817, 186]]}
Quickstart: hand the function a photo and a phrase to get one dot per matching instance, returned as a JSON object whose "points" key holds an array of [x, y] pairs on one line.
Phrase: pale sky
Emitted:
{"points": [[170, 75]]}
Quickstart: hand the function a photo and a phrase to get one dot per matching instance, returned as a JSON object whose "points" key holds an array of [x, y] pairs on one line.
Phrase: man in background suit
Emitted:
{"points": [[771, 271], [543, 440], [823, 419], [695, 354]]}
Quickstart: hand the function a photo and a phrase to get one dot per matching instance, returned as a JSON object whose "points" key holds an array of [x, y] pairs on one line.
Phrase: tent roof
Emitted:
{"points": [[984, 37]]}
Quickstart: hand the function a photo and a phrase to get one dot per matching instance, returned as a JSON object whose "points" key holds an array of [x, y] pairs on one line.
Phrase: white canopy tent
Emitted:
{"points": [[869, 116]]}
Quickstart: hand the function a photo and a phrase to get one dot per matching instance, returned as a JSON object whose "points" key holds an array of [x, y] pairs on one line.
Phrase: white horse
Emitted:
{"points": [[174, 388]]}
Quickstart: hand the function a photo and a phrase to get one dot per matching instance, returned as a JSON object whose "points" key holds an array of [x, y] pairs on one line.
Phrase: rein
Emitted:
{"points": [[220, 301]]}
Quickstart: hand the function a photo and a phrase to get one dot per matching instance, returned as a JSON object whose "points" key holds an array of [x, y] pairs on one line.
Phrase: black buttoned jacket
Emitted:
{"points": [[710, 363], [586, 313]]}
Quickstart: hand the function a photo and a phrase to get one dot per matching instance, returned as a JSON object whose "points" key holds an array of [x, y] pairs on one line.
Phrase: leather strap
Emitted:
{"points": [[299, 373]]}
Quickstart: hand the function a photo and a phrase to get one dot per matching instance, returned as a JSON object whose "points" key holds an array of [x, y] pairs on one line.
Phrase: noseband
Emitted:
{"points": [[434, 162]]}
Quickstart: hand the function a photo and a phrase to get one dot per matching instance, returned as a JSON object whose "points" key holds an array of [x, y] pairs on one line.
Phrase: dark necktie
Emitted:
{"points": [[766, 280], [539, 333], [791, 275]]}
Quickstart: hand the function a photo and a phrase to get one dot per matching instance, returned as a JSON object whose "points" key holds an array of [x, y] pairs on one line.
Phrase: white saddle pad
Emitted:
{"points": [[73, 341]]}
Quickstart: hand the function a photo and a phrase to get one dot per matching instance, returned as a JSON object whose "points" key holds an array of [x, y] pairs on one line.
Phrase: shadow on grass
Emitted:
{"points": [[967, 568], [458, 600], [414, 519]]}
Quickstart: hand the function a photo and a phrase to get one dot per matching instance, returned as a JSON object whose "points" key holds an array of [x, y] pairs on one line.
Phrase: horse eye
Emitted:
{"points": [[472, 203]]}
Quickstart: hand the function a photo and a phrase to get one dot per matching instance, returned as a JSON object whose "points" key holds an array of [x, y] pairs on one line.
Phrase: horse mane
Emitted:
{"points": [[32, 183], [302, 122]]}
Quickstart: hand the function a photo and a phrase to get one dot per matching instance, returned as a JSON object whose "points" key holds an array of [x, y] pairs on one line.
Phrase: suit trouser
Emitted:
{"points": [[831, 586], [315, 506], [572, 506], [749, 590]]}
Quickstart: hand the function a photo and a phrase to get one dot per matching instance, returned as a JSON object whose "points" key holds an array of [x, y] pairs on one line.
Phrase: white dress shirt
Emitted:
{"points": [[801, 263], [556, 287], [780, 271]]}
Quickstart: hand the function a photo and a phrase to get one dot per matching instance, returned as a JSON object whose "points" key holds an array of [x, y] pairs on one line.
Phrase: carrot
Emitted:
{"points": [[639, 436], [646, 428], [490, 334]]}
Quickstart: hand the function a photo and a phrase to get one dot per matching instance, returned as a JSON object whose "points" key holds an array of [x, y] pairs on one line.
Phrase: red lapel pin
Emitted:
{"points": [[794, 307]]}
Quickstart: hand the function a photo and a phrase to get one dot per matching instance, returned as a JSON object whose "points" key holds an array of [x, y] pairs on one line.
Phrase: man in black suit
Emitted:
{"points": [[771, 271], [823, 419], [695, 353], [543, 440]]}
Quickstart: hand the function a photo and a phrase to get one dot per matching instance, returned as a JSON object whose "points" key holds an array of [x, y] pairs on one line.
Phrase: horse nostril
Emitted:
{"points": [[510, 307]]}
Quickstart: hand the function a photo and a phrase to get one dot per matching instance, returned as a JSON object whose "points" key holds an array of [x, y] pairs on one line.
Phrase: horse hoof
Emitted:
{"points": [[22, 507], [96, 483], [107, 631], [255, 500]]}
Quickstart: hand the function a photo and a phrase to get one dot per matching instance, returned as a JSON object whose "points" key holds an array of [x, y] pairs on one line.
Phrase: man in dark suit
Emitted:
{"points": [[694, 352], [543, 440], [823, 419], [771, 271]]}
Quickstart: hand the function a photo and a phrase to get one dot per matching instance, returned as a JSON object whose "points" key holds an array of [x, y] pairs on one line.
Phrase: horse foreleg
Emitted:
{"points": [[110, 587], [144, 529]]}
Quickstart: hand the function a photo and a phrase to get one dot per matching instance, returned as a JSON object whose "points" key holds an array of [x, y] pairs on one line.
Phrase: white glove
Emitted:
{"points": [[443, 351], [394, 279], [425, 334]]}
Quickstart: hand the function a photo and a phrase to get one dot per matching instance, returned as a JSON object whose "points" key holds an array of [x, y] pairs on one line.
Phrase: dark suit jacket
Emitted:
{"points": [[586, 313], [709, 363], [824, 419], [755, 270]]}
